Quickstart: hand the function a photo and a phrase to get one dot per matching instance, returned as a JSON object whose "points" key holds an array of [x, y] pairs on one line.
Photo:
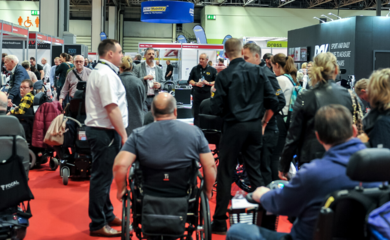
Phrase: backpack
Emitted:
{"points": [[379, 222], [296, 90], [55, 134]]}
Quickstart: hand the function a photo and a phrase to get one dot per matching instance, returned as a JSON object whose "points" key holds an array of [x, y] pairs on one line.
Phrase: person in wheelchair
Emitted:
{"points": [[304, 195], [175, 145], [26, 103]]}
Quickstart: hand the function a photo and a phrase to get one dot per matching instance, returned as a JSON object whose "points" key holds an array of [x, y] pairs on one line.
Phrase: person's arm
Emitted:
{"points": [[52, 75], [42, 74], [34, 78], [65, 88], [137, 70], [115, 116], [191, 78], [25, 104], [217, 103], [60, 68], [15, 90], [270, 100], [209, 171], [297, 125], [122, 164], [279, 92], [267, 116]]}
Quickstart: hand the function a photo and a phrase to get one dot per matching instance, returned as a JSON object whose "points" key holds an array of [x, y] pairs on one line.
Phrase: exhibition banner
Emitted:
{"points": [[181, 39], [200, 34], [167, 12]]}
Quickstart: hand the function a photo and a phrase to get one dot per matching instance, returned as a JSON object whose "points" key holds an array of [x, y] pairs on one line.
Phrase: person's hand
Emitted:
{"points": [[263, 128], [363, 137], [124, 139], [120, 194], [205, 82], [259, 192], [9, 103], [199, 84], [9, 113], [156, 85], [283, 176], [148, 77]]}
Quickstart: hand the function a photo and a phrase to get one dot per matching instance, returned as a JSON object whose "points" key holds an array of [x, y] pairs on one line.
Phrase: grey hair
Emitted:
{"points": [[26, 64], [253, 48], [78, 56], [146, 51], [12, 58], [138, 57], [207, 56], [169, 108]]}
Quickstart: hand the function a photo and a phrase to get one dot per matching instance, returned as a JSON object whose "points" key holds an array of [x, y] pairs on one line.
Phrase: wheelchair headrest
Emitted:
{"points": [[40, 98], [370, 165], [9, 126], [38, 85], [81, 85]]}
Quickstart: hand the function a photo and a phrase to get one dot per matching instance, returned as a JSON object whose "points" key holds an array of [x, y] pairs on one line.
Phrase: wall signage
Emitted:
{"points": [[277, 44], [211, 17]]}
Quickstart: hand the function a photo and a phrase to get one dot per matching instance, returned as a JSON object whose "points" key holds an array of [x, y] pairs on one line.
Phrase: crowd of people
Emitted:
{"points": [[275, 116]]}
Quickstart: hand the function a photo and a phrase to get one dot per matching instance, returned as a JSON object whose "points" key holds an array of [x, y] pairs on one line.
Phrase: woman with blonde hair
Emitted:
{"points": [[135, 94], [377, 121], [301, 135]]}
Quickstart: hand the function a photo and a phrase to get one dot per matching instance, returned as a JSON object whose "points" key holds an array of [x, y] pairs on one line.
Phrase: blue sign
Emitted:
{"points": [[167, 12], [200, 35], [103, 36], [221, 53], [181, 39]]}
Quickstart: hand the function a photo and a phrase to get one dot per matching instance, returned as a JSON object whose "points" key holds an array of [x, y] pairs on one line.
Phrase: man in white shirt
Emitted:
{"points": [[106, 109], [151, 75], [46, 69]]}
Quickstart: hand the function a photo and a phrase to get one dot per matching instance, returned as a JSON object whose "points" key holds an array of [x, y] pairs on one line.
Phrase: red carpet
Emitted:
{"points": [[61, 212]]}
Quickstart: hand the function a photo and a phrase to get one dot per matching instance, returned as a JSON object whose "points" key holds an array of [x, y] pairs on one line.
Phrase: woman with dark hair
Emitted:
{"points": [[135, 94], [61, 71], [286, 73], [301, 137], [377, 122]]}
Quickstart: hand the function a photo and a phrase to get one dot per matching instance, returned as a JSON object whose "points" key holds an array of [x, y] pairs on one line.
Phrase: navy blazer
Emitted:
{"points": [[16, 79]]}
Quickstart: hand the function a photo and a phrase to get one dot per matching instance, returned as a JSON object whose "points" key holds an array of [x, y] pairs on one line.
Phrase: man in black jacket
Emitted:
{"points": [[269, 169], [202, 77], [242, 91]]}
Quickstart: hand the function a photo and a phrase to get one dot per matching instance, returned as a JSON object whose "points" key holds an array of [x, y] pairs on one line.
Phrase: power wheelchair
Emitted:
{"points": [[163, 206]]}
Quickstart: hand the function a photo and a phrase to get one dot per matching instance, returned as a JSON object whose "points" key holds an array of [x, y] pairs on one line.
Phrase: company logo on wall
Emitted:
{"points": [[31, 45], [192, 11], [338, 49]]}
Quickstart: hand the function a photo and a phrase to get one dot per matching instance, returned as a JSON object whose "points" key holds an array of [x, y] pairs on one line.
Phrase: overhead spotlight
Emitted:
{"points": [[322, 21], [249, 1], [335, 15], [387, 15], [323, 15]]}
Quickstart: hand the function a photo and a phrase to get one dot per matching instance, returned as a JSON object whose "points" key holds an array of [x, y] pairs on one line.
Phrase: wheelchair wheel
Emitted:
{"points": [[53, 164], [204, 228], [65, 175], [33, 158], [126, 217]]}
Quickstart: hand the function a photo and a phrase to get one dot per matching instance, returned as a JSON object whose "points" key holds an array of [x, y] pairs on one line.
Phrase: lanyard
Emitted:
{"points": [[108, 66], [202, 72]]}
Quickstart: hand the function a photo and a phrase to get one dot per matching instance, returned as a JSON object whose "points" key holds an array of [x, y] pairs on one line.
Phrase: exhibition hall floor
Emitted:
{"points": [[61, 212]]}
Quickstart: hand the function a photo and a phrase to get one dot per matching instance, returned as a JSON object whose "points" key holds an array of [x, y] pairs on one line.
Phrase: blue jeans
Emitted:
{"points": [[242, 231]]}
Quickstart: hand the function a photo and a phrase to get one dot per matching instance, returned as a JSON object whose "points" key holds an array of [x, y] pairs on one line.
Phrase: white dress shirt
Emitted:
{"points": [[46, 69], [104, 87], [151, 71]]}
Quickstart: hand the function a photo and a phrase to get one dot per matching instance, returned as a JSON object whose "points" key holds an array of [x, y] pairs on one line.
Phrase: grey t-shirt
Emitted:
{"points": [[167, 144]]}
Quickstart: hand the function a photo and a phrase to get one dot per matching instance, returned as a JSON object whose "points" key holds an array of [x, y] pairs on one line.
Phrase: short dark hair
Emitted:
{"points": [[333, 123], [66, 56], [267, 56], [32, 58], [30, 83], [3, 55], [138, 57], [221, 60], [169, 108], [106, 45]]}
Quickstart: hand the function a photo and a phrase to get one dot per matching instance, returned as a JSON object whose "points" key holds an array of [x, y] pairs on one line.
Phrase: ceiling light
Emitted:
{"points": [[322, 21], [335, 15], [323, 15]]}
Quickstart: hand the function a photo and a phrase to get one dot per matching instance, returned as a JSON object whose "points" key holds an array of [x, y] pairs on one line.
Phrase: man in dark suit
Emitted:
{"points": [[18, 74], [151, 75]]}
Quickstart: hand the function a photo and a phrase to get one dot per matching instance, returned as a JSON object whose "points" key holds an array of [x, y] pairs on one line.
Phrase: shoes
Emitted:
{"points": [[219, 227], [116, 222], [106, 231]]}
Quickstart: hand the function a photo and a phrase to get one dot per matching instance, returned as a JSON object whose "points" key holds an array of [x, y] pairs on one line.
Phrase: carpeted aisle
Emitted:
{"points": [[61, 212]]}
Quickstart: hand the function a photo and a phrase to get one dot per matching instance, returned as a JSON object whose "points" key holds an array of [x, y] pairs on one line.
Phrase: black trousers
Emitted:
{"points": [[270, 140], [279, 147], [105, 145], [242, 137], [148, 102], [197, 99]]}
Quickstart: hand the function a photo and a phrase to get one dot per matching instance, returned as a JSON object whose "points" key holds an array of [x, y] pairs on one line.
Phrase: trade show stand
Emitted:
{"points": [[43, 45], [361, 44], [12, 38]]}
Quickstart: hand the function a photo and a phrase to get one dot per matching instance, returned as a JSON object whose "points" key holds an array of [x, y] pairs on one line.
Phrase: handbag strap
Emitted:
{"points": [[77, 76]]}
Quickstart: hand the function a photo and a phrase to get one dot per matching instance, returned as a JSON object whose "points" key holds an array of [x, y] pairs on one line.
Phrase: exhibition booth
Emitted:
{"points": [[183, 56], [273, 45], [42, 45], [12, 39], [361, 44]]}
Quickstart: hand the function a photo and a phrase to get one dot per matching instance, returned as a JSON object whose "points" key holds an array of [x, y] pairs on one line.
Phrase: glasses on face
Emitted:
{"points": [[24, 88], [78, 61]]}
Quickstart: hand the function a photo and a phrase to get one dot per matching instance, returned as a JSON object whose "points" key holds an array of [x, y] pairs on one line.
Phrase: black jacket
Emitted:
{"points": [[242, 90], [16, 79], [209, 74], [301, 139], [61, 72], [376, 125], [272, 124]]}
